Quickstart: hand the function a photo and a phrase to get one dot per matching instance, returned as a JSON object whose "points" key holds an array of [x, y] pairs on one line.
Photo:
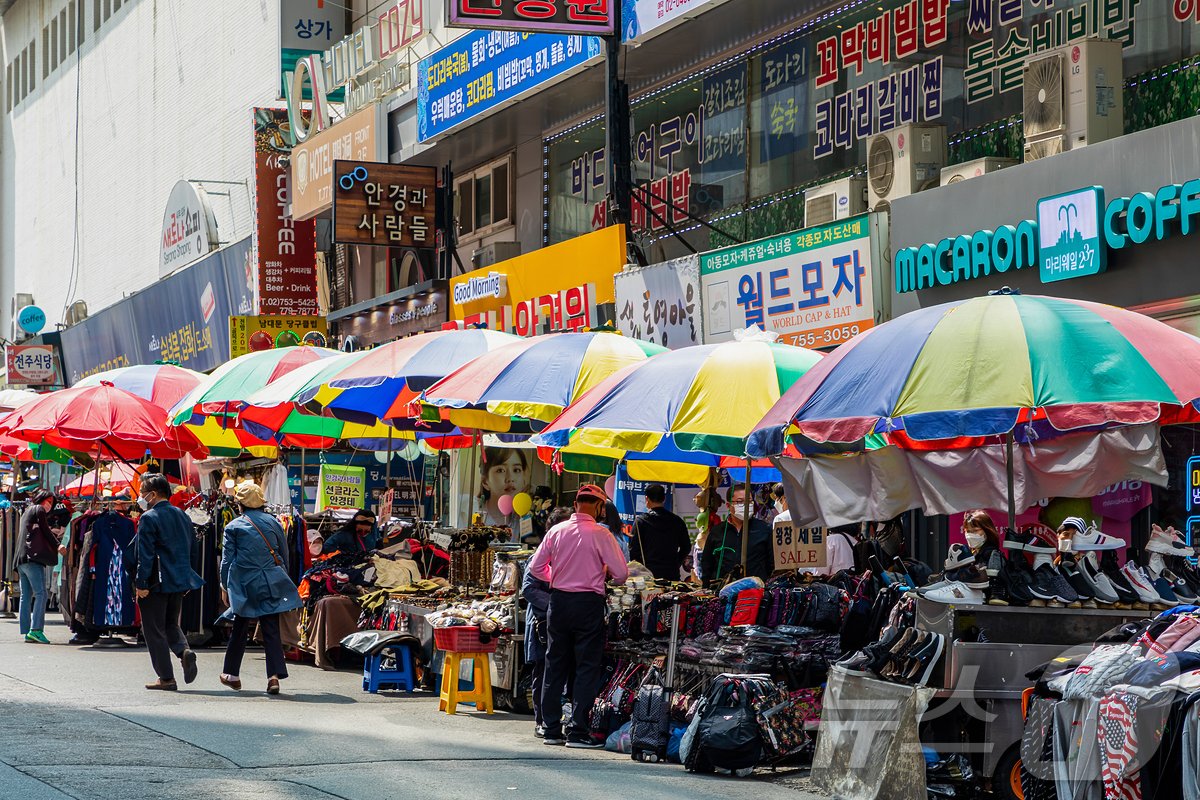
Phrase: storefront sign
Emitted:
{"points": [[357, 138], [30, 364], [397, 319], [661, 303], [478, 72], [384, 205], [286, 249], [540, 295], [1122, 501], [251, 334], [815, 287], [305, 28], [640, 18], [493, 284], [594, 17], [630, 500], [366, 64], [189, 228], [796, 548], [341, 487], [31, 319], [182, 318], [1070, 238]]}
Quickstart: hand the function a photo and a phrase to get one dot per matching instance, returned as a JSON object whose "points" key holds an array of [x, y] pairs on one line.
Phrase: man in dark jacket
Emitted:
{"points": [[723, 550], [36, 552], [536, 593], [164, 576], [660, 539]]}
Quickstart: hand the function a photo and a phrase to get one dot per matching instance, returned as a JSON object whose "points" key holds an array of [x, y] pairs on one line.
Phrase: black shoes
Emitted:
{"points": [[907, 656]]}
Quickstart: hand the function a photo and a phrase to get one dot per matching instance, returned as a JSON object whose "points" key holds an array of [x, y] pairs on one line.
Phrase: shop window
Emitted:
{"points": [[97, 19], [50, 49], [483, 199], [62, 36]]}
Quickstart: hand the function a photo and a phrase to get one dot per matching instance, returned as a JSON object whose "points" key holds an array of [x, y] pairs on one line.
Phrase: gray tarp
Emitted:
{"points": [[880, 484], [867, 745]]}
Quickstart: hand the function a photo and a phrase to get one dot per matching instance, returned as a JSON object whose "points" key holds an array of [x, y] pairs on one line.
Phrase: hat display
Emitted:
{"points": [[249, 495]]}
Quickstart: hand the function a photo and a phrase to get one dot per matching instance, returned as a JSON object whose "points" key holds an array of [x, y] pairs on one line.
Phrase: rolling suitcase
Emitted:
{"points": [[650, 722]]}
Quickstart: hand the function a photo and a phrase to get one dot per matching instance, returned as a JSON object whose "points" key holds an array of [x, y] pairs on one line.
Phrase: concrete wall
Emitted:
{"points": [[165, 89]]}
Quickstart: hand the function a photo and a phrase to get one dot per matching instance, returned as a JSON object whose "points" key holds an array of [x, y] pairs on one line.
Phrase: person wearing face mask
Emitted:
{"points": [[164, 575], [358, 535], [983, 539], [722, 554]]}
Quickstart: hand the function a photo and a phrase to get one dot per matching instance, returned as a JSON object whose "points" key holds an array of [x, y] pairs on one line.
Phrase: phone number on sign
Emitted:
{"points": [[825, 337]]}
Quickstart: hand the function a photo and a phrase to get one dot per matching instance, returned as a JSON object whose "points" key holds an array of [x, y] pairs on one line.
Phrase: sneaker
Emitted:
{"points": [[554, 740], [36, 637], [1017, 577], [1031, 542], [1120, 584], [539, 731], [1165, 592], [1042, 587], [959, 556], [1063, 591], [925, 659], [583, 743], [1179, 586], [956, 592], [1169, 542], [1092, 538], [1082, 582], [1140, 583]]}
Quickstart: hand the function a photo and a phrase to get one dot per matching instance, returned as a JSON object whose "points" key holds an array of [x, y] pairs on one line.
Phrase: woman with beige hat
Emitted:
{"points": [[255, 583]]}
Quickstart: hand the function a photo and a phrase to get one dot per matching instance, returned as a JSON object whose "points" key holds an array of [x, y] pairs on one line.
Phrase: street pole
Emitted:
{"points": [[618, 140]]}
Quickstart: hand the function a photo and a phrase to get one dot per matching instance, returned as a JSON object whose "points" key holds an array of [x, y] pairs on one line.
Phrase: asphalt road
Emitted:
{"points": [[76, 723]]}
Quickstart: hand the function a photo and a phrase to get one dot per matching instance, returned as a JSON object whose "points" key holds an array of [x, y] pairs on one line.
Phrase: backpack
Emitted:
{"points": [[726, 732], [650, 722]]}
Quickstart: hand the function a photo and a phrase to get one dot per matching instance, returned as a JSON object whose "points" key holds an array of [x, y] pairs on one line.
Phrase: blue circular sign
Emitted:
{"points": [[31, 319]]}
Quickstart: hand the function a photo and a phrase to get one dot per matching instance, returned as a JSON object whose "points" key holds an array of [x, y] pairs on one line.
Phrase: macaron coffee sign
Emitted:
{"points": [[189, 228], [1070, 238]]}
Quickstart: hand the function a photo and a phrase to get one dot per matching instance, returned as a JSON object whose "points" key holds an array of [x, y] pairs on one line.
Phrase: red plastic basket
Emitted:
{"points": [[462, 639]]}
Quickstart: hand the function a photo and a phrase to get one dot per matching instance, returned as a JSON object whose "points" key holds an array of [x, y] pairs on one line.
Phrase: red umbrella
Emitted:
{"points": [[99, 420]]}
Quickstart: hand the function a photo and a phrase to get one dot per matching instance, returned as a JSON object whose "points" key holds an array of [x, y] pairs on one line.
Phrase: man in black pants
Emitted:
{"points": [[164, 576], [660, 539], [576, 558]]}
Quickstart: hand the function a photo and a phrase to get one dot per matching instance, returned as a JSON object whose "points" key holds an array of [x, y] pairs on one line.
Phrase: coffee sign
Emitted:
{"points": [[189, 228]]}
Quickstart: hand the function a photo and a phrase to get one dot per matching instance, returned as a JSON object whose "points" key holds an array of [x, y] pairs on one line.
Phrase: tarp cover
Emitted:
{"points": [[867, 746], [880, 484]]}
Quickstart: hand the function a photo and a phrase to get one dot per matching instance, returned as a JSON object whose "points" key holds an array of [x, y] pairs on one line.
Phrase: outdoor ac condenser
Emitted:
{"points": [[1072, 97], [902, 161]]}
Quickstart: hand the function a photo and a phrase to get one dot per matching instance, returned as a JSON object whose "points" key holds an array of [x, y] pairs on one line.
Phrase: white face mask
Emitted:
{"points": [[975, 540], [737, 509], [142, 504], [779, 506]]}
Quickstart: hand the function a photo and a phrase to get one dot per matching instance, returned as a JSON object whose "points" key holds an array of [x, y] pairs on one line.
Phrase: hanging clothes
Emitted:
{"points": [[112, 593]]}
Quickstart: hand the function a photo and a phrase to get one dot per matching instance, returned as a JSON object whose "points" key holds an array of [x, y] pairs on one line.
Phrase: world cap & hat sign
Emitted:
{"points": [[1071, 237]]}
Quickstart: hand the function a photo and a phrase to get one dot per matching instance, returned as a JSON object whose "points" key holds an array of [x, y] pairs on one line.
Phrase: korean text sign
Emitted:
{"points": [[815, 287], [384, 205], [545, 16], [478, 72], [245, 332], [661, 303], [341, 487], [796, 547], [31, 364]]}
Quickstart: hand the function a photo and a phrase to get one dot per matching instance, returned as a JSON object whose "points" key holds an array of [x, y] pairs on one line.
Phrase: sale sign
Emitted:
{"points": [[796, 547]]}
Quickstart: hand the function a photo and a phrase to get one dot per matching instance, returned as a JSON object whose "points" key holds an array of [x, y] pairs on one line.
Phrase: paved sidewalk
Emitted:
{"points": [[78, 724]]}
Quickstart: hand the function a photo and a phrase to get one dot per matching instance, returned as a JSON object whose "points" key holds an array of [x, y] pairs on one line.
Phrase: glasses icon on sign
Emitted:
{"points": [[356, 175]]}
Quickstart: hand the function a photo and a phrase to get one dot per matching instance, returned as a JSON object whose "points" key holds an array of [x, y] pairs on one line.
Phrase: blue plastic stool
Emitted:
{"points": [[376, 676]]}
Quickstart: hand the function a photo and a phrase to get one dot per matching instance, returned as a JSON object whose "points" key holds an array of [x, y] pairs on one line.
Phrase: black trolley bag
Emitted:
{"points": [[650, 722]]}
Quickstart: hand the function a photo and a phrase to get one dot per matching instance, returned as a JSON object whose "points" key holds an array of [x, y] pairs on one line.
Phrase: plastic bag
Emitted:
{"points": [[618, 741]]}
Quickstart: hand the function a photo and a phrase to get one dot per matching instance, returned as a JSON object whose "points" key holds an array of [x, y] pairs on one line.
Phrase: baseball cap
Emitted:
{"points": [[590, 491]]}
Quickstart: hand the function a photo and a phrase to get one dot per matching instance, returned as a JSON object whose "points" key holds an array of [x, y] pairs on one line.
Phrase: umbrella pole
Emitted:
{"points": [[746, 519], [1012, 503], [387, 474], [303, 452], [475, 469]]}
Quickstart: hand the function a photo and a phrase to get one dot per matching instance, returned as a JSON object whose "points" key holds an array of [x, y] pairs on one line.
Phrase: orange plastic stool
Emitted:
{"points": [[480, 692]]}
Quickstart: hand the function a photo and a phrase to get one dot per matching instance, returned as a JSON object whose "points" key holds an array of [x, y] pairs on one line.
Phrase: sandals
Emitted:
{"points": [[232, 681], [273, 686]]}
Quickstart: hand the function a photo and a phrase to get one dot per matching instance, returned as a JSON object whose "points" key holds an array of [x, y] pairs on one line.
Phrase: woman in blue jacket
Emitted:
{"points": [[255, 583]]}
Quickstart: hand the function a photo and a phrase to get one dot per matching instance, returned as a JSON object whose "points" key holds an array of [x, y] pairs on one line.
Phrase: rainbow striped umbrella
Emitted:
{"points": [[532, 379], [706, 398], [952, 375]]}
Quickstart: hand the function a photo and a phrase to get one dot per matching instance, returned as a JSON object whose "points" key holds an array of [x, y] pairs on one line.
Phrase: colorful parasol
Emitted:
{"points": [[393, 375], [164, 385], [99, 420], [532, 379], [113, 478], [956, 372], [702, 398]]}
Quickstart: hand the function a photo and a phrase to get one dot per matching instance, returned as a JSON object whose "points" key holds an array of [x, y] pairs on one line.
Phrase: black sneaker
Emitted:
{"points": [[1119, 583], [189, 665], [1042, 586], [923, 660], [1017, 577], [1070, 571], [584, 742], [1063, 591]]}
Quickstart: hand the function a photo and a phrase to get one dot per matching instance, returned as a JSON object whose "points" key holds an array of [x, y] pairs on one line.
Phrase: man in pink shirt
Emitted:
{"points": [[576, 558]]}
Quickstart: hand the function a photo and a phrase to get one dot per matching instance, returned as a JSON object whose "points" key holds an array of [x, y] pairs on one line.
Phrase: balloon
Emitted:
{"points": [[505, 504], [522, 503], [610, 486]]}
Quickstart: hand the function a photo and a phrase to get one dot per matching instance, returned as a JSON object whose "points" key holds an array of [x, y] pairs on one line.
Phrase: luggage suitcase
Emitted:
{"points": [[650, 721]]}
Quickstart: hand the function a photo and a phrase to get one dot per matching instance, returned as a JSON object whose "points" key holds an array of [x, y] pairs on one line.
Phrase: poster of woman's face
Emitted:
{"points": [[505, 471]]}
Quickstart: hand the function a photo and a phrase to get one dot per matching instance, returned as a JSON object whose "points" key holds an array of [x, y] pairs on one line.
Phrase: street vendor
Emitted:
{"points": [[722, 553], [358, 535]]}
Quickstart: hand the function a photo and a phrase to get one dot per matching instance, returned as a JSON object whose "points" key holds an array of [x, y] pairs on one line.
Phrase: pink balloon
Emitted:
{"points": [[610, 486], [505, 504]]}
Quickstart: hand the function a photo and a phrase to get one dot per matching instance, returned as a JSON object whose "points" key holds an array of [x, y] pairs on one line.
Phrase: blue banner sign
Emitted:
{"points": [[479, 72]]}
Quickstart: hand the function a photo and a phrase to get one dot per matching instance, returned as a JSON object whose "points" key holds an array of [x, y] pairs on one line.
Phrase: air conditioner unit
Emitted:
{"points": [[902, 161], [973, 169], [77, 312], [19, 301], [1072, 97], [494, 253], [835, 200]]}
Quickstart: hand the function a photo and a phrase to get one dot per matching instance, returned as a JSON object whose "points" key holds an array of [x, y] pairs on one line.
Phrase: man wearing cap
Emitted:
{"points": [[576, 558]]}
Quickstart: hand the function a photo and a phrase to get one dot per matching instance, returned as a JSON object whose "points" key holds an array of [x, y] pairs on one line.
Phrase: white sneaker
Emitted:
{"points": [[1140, 583], [1169, 542], [956, 592], [1094, 539]]}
